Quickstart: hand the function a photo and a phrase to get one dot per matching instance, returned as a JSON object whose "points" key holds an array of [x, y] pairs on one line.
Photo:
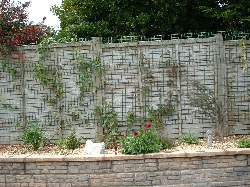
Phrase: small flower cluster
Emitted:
{"points": [[143, 141], [147, 126]]}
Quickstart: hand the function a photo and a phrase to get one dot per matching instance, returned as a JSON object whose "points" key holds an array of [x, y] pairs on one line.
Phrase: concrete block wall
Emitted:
{"points": [[136, 76], [230, 167]]}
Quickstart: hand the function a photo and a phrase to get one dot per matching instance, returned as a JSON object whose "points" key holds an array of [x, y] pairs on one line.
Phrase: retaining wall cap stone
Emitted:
{"points": [[109, 157]]}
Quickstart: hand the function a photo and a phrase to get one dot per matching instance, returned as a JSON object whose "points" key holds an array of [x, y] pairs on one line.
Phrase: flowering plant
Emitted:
{"points": [[15, 28], [143, 141]]}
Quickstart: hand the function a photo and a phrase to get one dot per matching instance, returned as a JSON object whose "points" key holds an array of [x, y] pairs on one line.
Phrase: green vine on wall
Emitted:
{"points": [[243, 53], [86, 72], [41, 73], [50, 78], [6, 68]]}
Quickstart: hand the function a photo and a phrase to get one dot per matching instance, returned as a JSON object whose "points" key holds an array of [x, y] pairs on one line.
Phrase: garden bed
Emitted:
{"points": [[52, 149]]}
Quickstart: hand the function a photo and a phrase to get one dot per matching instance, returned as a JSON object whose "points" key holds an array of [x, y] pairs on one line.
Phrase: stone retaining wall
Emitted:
{"points": [[230, 167]]}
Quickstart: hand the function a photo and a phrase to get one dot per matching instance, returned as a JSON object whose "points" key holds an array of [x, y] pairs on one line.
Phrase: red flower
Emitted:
{"points": [[135, 134], [115, 148], [148, 125]]}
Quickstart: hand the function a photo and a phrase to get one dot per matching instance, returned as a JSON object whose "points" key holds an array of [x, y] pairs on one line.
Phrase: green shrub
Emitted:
{"points": [[108, 120], [61, 143], [243, 143], [33, 135], [71, 142], [143, 141], [190, 138]]}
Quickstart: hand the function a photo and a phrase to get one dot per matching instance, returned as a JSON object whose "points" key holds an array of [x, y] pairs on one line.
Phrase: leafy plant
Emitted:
{"points": [[155, 116], [107, 118], [71, 142], [210, 105], [243, 143], [61, 143], [130, 120], [33, 135], [190, 138], [143, 141]]}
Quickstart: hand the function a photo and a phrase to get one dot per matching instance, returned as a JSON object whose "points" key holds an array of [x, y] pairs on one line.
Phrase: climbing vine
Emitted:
{"points": [[49, 77], [86, 72], [243, 53], [12, 70]]}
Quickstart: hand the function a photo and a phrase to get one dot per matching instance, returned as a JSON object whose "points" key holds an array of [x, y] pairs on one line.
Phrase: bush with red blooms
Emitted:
{"points": [[15, 28], [143, 141]]}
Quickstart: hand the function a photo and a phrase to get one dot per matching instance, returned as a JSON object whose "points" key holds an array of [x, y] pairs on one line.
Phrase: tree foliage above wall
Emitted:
{"points": [[83, 18], [231, 14], [116, 17]]}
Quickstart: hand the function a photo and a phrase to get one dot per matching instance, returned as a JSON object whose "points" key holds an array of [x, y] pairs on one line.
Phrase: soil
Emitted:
{"points": [[52, 149]]}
